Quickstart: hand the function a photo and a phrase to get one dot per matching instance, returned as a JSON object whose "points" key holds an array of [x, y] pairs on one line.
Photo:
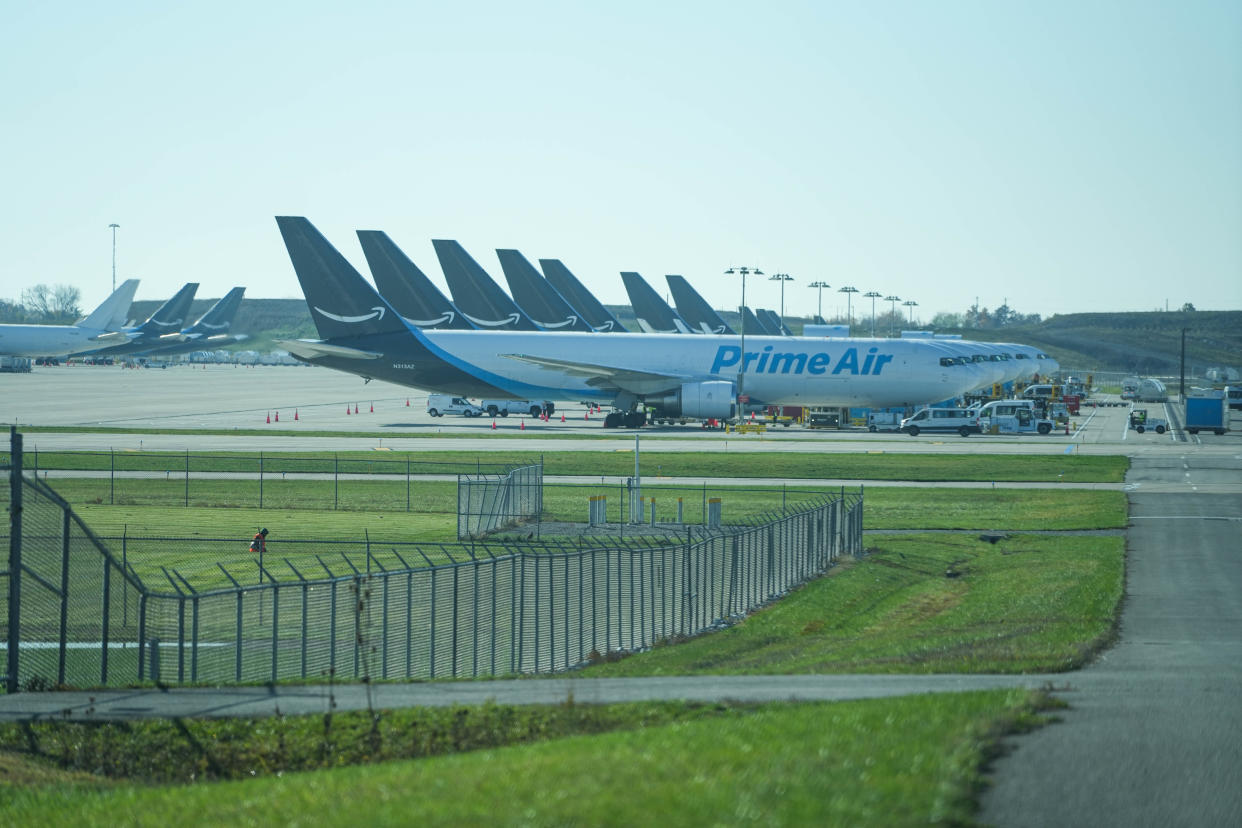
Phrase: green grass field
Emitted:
{"points": [[903, 761], [1052, 467]]}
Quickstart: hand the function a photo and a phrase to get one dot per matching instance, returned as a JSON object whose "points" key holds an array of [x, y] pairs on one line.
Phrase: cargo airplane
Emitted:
{"points": [[694, 376], [60, 340]]}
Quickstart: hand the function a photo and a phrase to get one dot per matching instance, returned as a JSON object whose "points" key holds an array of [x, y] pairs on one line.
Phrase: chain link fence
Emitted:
{"points": [[487, 503], [91, 611]]}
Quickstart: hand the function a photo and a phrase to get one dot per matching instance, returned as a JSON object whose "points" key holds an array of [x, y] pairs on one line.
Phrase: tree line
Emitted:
{"points": [[44, 305]]}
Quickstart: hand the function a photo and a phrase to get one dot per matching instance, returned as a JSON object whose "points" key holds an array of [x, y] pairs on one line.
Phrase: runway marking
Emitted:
{"points": [[1184, 517]]}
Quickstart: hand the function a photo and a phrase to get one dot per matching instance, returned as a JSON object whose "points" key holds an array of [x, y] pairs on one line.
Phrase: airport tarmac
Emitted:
{"points": [[287, 399]]}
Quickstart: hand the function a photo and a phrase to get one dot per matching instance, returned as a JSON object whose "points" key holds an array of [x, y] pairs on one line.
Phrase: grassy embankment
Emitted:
{"points": [[915, 604]]}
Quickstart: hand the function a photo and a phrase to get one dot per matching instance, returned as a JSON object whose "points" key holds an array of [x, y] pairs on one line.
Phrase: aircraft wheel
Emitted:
{"points": [[613, 419]]}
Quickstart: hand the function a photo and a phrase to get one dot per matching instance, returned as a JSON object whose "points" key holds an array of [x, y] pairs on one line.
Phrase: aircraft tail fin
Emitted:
{"points": [[342, 303], [406, 287], [113, 311], [579, 298], [536, 296], [219, 316], [653, 313], [694, 308], [476, 293], [170, 317]]}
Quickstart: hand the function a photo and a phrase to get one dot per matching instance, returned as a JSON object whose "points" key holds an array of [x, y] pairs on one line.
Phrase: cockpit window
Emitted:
{"points": [[951, 361], [978, 358], [1044, 356]]}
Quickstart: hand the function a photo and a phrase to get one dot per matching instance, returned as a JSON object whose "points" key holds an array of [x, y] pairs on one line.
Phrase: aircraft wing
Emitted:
{"points": [[606, 376], [308, 349]]}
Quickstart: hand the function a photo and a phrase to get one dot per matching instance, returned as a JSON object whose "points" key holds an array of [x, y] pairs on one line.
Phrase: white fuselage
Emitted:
{"points": [[778, 369], [45, 340]]}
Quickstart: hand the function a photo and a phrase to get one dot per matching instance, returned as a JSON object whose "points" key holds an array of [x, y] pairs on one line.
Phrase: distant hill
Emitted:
{"points": [[1143, 343]]}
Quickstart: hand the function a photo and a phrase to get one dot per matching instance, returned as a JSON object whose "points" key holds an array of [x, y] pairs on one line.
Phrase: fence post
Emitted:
{"points": [[111, 476], [336, 480], [64, 595], [187, 478]]}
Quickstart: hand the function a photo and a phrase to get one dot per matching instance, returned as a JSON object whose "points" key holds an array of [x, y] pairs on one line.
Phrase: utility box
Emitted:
{"points": [[1207, 414]]}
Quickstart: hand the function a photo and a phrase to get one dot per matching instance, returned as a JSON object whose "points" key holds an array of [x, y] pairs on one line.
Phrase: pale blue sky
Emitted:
{"points": [[1067, 156]]}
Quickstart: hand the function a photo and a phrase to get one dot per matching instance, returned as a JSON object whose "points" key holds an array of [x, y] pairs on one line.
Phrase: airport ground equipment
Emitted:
{"points": [[1151, 390], [440, 404], [884, 421], [506, 407], [964, 421], [1233, 394], [1013, 417], [1208, 412], [1140, 422]]}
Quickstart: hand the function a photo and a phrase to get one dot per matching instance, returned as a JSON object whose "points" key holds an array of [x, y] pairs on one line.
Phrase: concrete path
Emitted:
{"points": [[1154, 732]]}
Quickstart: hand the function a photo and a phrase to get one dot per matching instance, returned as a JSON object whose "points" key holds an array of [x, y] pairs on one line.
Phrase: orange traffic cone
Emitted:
{"points": [[355, 408], [295, 414], [372, 408], [278, 416], [523, 425], [562, 416], [493, 425], [347, 411], [587, 415], [407, 402], [269, 416]]}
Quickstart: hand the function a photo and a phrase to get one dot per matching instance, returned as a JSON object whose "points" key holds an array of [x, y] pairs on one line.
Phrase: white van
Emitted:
{"points": [[440, 404], [965, 421], [1013, 417]]}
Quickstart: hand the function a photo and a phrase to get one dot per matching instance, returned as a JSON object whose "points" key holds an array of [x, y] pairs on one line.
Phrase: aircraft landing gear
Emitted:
{"points": [[625, 419]]}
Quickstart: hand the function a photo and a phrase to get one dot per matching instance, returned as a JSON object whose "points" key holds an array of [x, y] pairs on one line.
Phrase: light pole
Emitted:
{"points": [[114, 227], [849, 291], [819, 286], [782, 278], [892, 311], [872, 295], [911, 304], [741, 374]]}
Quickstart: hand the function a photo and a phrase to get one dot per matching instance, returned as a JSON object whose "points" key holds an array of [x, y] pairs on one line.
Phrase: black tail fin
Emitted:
{"points": [[476, 293], [751, 323], [406, 287], [694, 308], [772, 321], [579, 298], [342, 303], [536, 296], [170, 317], [653, 313], [219, 316]]}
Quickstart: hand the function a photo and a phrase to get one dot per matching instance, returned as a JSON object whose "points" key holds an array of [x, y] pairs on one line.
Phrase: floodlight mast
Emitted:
{"points": [[872, 295], [892, 311], [849, 291], [782, 278], [819, 286], [741, 374]]}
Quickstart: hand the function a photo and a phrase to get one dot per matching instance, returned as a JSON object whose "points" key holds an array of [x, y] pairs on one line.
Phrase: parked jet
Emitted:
{"points": [[481, 300], [210, 332], [697, 376], [774, 322], [169, 317], [694, 308], [579, 298], [406, 287], [653, 313], [536, 296], [755, 321], [59, 340]]}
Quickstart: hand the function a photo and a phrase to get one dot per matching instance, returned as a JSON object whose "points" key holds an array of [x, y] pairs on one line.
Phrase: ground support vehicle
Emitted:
{"points": [[1013, 417], [964, 421], [1207, 413], [1140, 422], [504, 408], [884, 421], [440, 404]]}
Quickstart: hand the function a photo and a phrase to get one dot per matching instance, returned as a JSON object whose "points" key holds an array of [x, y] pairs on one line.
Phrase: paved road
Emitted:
{"points": [[1154, 733]]}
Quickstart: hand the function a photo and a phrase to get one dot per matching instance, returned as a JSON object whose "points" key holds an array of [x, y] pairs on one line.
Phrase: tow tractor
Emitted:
{"points": [[1140, 422]]}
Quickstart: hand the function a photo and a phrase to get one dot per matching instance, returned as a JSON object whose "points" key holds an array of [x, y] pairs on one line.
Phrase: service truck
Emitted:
{"points": [[1013, 417], [506, 407], [1207, 413], [440, 404]]}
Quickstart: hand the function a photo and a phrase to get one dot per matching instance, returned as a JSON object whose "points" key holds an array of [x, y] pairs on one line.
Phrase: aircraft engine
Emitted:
{"points": [[702, 400]]}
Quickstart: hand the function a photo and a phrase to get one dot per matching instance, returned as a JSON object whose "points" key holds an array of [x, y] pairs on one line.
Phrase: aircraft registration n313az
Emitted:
{"points": [[677, 375]]}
